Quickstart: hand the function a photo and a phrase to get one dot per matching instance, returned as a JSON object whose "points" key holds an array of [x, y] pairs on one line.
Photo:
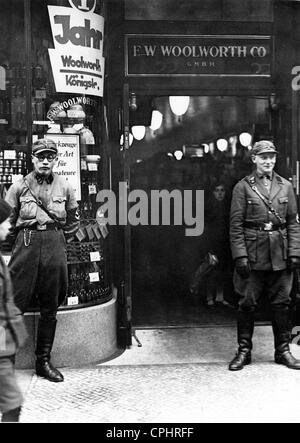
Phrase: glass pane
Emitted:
{"points": [[173, 10], [13, 120], [235, 10], [248, 10], [67, 90]]}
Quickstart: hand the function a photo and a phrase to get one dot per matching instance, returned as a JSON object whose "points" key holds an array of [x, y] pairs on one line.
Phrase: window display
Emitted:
{"points": [[51, 86]]}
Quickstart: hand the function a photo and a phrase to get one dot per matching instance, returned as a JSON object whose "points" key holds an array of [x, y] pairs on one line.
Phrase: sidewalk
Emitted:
{"points": [[177, 376]]}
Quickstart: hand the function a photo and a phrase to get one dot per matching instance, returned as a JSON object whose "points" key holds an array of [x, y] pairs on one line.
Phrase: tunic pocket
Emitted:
{"points": [[252, 207], [58, 206], [251, 245], [28, 208]]}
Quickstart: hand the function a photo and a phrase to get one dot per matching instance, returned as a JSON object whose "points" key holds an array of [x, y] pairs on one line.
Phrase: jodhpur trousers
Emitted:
{"points": [[38, 269], [276, 285]]}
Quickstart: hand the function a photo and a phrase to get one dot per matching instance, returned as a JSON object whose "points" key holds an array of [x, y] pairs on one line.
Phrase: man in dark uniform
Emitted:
{"points": [[265, 244], [38, 264]]}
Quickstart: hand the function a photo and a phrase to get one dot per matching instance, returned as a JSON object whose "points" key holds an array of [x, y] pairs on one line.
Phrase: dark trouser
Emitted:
{"points": [[40, 269], [10, 394], [276, 285]]}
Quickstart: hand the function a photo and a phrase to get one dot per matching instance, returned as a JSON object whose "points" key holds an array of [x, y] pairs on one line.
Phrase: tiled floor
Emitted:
{"points": [[177, 376]]}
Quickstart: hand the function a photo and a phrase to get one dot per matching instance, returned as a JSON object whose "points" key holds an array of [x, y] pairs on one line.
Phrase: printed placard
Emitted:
{"points": [[92, 167], [90, 232], [92, 189], [95, 256], [72, 301], [68, 165], [77, 58], [97, 231], [10, 154], [94, 277]]}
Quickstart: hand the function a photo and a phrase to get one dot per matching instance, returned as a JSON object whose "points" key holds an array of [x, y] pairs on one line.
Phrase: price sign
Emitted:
{"points": [[10, 155], [92, 189], [72, 301], [92, 167], [95, 256], [94, 277]]}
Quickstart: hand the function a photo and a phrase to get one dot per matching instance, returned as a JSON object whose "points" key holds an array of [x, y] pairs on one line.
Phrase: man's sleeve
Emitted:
{"points": [[12, 198], [237, 218], [72, 220], [293, 226]]}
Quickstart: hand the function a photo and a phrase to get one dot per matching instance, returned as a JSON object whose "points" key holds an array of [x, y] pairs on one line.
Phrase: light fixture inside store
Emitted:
{"points": [[130, 139], [179, 104], [138, 132], [205, 147], [222, 144], [156, 120], [245, 139], [178, 155]]}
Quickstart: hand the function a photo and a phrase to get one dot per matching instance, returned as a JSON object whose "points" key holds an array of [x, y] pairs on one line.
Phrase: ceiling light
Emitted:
{"points": [[222, 144], [156, 120], [138, 132], [179, 104], [178, 155], [245, 139]]}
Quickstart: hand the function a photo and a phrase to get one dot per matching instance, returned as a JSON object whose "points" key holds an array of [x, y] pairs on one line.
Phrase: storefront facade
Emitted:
{"points": [[84, 73], [233, 62], [52, 85]]}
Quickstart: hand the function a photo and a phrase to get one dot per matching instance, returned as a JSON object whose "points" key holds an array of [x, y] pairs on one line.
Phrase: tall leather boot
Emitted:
{"points": [[245, 328], [281, 331], [12, 416], [45, 339]]}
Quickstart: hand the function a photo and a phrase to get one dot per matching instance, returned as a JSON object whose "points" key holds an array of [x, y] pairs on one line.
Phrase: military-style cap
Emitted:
{"points": [[43, 145], [264, 147]]}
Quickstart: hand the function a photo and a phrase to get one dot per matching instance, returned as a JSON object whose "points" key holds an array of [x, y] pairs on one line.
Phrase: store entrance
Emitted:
{"points": [[203, 149]]}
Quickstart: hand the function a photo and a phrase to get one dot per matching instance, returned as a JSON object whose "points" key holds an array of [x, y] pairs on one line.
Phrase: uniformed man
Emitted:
{"points": [[44, 214], [265, 244]]}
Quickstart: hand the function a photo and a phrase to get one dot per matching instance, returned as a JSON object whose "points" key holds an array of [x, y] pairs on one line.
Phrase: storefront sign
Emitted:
{"points": [[193, 55], [68, 165], [77, 60]]}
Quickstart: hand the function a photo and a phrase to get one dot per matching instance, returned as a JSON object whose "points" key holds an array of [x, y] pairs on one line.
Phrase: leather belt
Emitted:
{"points": [[47, 227], [269, 226]]}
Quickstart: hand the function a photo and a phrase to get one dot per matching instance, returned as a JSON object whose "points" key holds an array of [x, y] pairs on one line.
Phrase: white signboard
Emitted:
{"points": [[68, 165], [77, 59]]}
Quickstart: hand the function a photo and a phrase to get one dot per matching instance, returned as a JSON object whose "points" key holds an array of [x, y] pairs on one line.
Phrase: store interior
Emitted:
{"points": [[206, 142]]}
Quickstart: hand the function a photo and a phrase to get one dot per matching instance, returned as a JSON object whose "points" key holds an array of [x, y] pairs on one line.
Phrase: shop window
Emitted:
{"points": [[53, 87], [233, 10], [13, 106]]}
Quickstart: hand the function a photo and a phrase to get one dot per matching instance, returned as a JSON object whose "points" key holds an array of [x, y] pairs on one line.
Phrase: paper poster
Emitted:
{"points": [[68, 165], [77, 58]]}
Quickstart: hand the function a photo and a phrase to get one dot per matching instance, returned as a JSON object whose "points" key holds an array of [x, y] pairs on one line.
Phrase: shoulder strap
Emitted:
{"points": [[40, 203], [263, 198]]}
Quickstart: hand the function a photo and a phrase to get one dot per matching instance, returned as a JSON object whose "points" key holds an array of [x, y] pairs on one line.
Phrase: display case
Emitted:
{"points": [[34, 105]]}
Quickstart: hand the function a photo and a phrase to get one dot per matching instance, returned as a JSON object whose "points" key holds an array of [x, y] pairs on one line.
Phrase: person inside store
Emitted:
{"points": [[217, 234], [12, 334], [265, 244], [44, 216]]}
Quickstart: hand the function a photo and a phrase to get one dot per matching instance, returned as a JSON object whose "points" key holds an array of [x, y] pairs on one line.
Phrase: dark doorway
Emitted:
{"points": [[186, 153]]}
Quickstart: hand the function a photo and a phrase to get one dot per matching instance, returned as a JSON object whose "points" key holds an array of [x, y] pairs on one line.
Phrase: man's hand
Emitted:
{"points": [[242, 267], [293, 263]]}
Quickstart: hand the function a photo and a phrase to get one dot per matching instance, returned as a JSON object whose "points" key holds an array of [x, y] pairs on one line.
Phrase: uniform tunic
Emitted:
{"points": [[267, 251], [39, 264]]}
